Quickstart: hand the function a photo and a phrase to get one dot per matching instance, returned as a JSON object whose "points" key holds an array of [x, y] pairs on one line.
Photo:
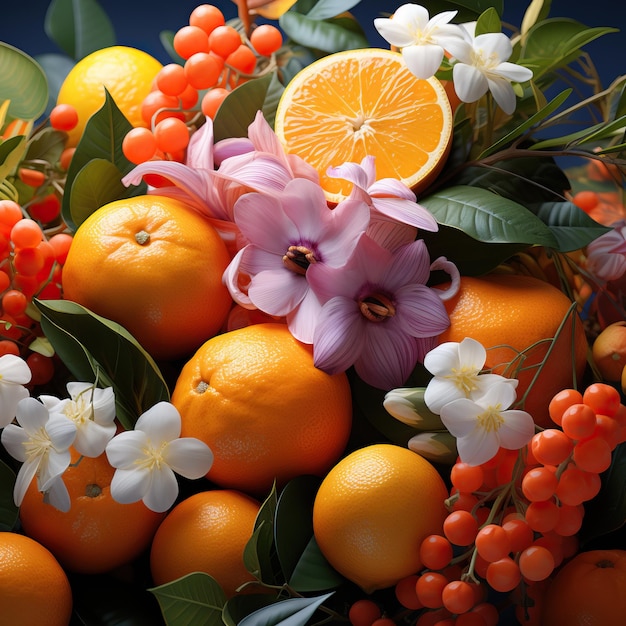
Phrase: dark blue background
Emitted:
{"points": [[138, 24]]}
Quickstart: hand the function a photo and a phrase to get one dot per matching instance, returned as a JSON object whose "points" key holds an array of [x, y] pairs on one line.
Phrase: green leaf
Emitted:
{"points": [[303, 564], [572, 228], [590, 135], [8, 510], [488, 217], [241, 605], [290, 612], [330, 8], [324, 36], [259, 555], [11, 152], [23, 83], [96, 184], [540, 115], [193, 599], [488, 22], [78, 27], [240, 108], [93, 347], [46, 145], [556, 42], [102, 139]]}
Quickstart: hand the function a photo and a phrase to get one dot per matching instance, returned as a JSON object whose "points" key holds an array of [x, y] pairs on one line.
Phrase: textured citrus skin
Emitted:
{"points": [[127, 74], [34, 589], [255, 398], [514, 312], [97, 534], [207, 532], [588, 589], [372, 511], [166, 290], [351, 104]]}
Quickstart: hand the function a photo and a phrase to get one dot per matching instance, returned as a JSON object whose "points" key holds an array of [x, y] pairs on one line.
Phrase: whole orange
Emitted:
{"points": [[515, 317], [255, 398], [609, 351], [34, 589], [155, 266], [206, 532], [588, 591], [372, 511], [97, 534], [127, 73]]}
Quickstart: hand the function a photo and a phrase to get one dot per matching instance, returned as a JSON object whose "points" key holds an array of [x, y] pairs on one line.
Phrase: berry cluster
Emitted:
{"points": [[514, 519], [217, 58], [30, 267]]}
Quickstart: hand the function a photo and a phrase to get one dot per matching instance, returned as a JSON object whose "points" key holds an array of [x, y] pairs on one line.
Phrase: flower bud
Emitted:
{"points": [[407, 405], [437, 447]]}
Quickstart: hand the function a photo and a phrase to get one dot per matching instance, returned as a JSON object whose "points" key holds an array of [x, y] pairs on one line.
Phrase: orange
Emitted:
{"points": [[34, 589], [97, 534], [127, 73], [509, 314], [255, 398], [356, 103], [588, 591], [372, 511], [207, 532], [609, 351], [155, 266]]}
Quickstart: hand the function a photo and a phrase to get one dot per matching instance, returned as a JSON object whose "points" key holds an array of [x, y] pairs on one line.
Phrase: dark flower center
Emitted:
{"points": [[298, 258], [376, 307]]}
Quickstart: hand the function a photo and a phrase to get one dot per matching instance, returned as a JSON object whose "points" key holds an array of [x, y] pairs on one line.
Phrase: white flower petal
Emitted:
{"points": [[517, 430], [129, 486], [13, 438], [472, 354], [58, 496], [32, 415], [24, 478], [440, 361], [424, 60], [92, 438], [125, 448], [14, 370], [189, 457], [478, 448], [460, 416], [440, 392], [163, 490], [10, 396], [503, 93], [160, 422], [469, 82]]}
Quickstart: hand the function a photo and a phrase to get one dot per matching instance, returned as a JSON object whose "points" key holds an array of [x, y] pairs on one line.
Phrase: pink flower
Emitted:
{"points": [[606, 255], [377, 312], [288, 233]]}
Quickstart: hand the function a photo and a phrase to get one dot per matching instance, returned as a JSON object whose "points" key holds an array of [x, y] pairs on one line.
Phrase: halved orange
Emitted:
{"points": [[355, 103]]}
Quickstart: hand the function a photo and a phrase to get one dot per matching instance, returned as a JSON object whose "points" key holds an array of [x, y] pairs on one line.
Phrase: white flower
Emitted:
{"points": [[93, 412], [147, 457], [14, 374], [481, 64], [421, 40], [456, 373], [41, 443], [482, 427]]}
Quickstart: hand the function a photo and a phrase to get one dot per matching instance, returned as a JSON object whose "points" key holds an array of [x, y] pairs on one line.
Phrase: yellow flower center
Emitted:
{"points": [[464, 378], [491, 419], [38, 445], [152, 457]]}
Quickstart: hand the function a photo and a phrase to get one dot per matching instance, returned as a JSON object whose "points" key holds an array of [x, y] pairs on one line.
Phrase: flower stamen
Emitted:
{"points": [[377, 308], [491, 419], [298, 258]]}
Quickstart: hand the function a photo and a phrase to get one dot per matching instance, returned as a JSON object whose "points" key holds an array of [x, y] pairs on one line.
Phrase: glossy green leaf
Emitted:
{"points": [[193, 599], [272, 98], [101, 139], [324, 36], [240, 108], [78, 27], [290, 612], [488, 22], [11, 152], [304, 566], [93, 347], [46, 145], [8, 510], [487, 217], [23, 83], [592, 135], [241, 605], [572, 228], [96, 184], [330, 8], [259, 555]]}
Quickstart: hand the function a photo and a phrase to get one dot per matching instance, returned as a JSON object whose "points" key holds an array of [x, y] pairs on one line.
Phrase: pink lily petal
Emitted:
{"points": [[337, 342], [389, 233], [406, 211], [352, 172], [304, 203], [303, 319], [230, 278], [411, 264], [258, 170], [200, 149], [421, 312], [278, 291], [390, 188], [387, 359], [227, 148]]}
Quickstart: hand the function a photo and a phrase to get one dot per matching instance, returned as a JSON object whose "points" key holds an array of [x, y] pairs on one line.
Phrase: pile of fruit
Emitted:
{"points": [[232, 290]]}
